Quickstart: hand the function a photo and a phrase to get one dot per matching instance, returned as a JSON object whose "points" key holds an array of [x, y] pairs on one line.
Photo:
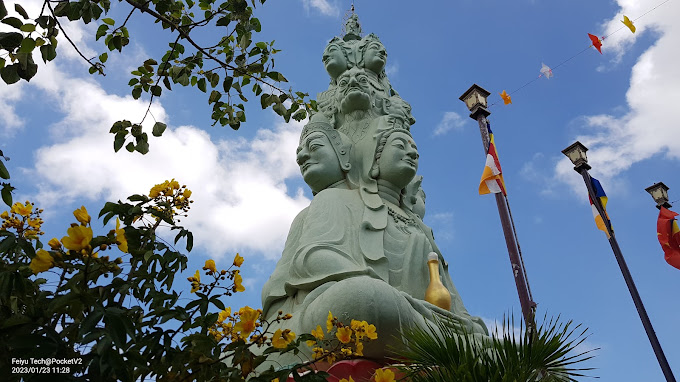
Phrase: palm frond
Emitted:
{"points": [[445, 352]]}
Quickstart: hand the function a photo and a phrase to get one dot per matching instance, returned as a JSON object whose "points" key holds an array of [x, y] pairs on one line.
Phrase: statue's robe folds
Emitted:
{"points": [[343, 257]]}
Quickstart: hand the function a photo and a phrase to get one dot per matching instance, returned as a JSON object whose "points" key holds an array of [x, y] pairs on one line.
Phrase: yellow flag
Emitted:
{"points": [[626, 21]]}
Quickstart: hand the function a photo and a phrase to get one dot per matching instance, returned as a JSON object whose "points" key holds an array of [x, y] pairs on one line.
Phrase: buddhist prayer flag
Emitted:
{"points": [[600, 197], [626, 21], [492, 177], [596, 42], [669, 236], [506, 97], [546, 71]]}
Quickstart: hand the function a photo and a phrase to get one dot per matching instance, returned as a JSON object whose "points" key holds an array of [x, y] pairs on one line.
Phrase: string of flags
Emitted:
{"points": [[596, 42]]}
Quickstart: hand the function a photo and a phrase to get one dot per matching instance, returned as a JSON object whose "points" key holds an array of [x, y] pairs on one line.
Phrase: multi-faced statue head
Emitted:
{"points": [[373, 54], [396, 158], [335, 58], [353, 90], [323, 154]]}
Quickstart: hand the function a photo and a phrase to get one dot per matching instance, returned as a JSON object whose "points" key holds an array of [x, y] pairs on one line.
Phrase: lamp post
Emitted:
{"points": [[475, 100], [577, 154], [659, 192]]}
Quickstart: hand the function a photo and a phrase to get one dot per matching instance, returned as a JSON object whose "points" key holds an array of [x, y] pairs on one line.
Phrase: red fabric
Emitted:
{"points": [[596, 42], [670, 241]]}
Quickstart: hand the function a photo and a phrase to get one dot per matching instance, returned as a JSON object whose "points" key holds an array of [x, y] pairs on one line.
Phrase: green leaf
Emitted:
{"points": [[142, 147], [103, 57], [223, 21], [136, 92], [214, 96], [48, 52], [118, 142], [255, 24], [62, 9], [13, 21], [108, 21], [7, 194], [201, 85], [156, 90], [3, 10], [2, 62], [11, 40], [27, 45], [4, 174], [158, 129], [226, 84], [9, 74], [20, 10], [27, 28], [130, 147], [7, 244], [101, 31]]}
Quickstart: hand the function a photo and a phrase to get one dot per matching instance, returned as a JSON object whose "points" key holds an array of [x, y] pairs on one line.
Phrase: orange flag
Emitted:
{"points": [[506, 97], [596, 42]]}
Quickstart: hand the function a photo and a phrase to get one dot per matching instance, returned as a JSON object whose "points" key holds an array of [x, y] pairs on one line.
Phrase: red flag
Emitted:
{"points": [[596, 42], [669, 236]]}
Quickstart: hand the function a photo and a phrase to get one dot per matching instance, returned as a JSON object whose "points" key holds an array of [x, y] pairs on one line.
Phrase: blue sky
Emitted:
{"points": [[622, 104]]}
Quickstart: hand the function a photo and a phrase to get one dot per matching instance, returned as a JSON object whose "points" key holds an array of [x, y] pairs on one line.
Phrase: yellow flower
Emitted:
{"points": [[238, 260], [384, 375], [82, 216], [344, 334], [35, 223], [360, 349], [187, 193], [4, 215], [54, 243], [210, 265], [120, 237], [345, 380], [281, 339], [318, 333], [247, 323], [78, 238], [224, 315], [196, 282], [238, 287], [370, 332], [329, 322], [174, 184], [156, 190], [318, 352], [41, 262], [23, 210]]}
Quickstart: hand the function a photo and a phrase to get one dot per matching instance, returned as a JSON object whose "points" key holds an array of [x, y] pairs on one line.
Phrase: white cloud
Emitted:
{"points": [[649, 127], [9, 120], [323, 6], [450, 121], [241, 200], [392, 69]]}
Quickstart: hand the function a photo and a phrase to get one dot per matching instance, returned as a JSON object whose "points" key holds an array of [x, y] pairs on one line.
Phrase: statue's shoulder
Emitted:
{"points": [[336, 195]]}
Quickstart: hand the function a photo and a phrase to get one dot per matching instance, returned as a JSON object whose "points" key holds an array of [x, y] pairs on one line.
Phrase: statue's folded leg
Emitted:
{"points": [[365, 299]]}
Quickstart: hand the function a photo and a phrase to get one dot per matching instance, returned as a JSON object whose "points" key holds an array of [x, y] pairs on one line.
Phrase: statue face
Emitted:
{"points": [[318, 162], [398, 162], [375, 57], [353, 90], [334, 60]]}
